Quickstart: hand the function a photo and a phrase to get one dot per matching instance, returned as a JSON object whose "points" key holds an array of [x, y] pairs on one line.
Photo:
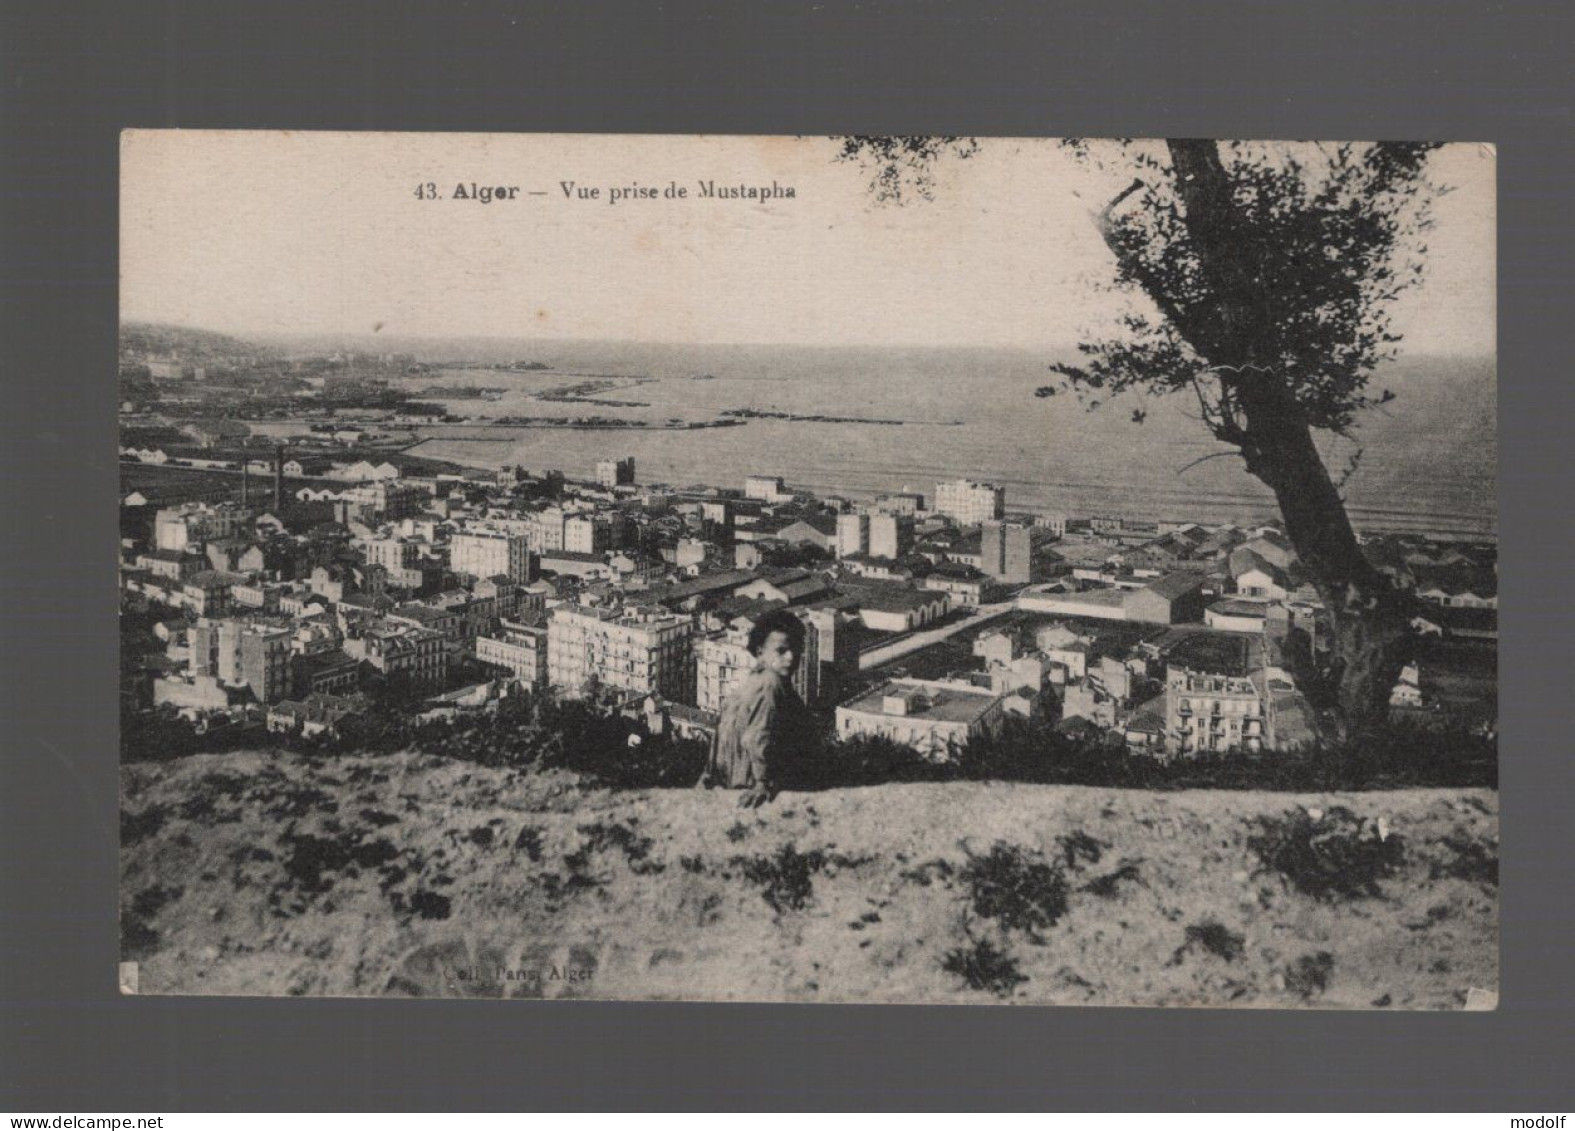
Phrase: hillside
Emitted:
{"points": [[187, 343], [273, 874]]}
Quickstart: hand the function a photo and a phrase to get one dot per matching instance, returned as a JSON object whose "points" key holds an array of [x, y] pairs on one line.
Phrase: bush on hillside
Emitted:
{"points": [[1016, 889], [1335, 855], [984, 966], [786, 879]]}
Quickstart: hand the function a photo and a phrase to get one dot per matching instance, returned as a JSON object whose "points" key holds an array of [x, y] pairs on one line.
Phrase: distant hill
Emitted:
{"points": [[186, 343]]}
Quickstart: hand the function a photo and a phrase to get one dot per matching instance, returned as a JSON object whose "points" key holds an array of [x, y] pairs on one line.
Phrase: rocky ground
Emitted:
{"points": [[269, 873]]}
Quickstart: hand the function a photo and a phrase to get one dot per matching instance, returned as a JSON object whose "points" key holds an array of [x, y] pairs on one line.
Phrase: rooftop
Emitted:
{"points": [[894, 600], [624, 615], [1230, 607], [1093, 598], [941, 702], [1214, 652], [1175, 585], [705, 583]]}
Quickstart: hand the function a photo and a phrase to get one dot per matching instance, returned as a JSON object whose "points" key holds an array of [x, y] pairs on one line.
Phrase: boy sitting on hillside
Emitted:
{"points": [[763, 721]]}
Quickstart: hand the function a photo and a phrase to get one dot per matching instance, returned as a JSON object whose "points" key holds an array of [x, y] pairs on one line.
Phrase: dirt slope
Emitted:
{"points": [[269, 874]]}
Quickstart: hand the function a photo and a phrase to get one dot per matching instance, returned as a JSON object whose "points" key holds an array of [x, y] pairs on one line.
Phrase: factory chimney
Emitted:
{"points": [[278, 477]]}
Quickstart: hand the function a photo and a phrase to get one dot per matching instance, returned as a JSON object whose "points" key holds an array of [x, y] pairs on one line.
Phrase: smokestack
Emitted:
{"points": [[278, 477], [246, 481]]}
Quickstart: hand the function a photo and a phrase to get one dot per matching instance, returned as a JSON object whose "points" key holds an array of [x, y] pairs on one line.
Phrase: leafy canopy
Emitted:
{"points": [[1319, 238]]}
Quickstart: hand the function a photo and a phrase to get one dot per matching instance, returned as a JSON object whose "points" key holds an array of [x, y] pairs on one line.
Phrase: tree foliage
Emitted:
{"points": [[1318, 239], [902, 167]]}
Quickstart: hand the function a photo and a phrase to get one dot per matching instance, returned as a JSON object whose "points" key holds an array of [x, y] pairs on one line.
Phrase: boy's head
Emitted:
{"points": [[777, 641]]}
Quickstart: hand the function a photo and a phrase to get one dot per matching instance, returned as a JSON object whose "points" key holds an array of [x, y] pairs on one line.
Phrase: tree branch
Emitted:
{"points": [[1204, 459], [1104, 213]]}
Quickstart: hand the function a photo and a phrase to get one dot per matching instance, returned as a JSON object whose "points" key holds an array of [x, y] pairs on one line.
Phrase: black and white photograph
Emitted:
{"points": [[945, 570]]}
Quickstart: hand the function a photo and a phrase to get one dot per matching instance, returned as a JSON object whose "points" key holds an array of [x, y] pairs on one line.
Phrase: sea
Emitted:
{"points": [[1424, 462]]}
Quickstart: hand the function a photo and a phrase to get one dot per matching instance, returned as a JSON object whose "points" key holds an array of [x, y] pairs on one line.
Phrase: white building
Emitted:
{"points": [[615, 472], [638, 651], [936, 718], [546, 530], [853, 534], [493, 553], [902, 610], [402, 650], [243, 653], [1209, 712], [1407, 691], [969, 503], [176, 528], [1238, 615], [392, 553], [522, 649], [890, 535], [767, 488], [590, 534]]}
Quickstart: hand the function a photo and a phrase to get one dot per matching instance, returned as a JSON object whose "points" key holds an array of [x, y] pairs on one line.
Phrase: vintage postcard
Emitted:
{"points": [[855, 569]]}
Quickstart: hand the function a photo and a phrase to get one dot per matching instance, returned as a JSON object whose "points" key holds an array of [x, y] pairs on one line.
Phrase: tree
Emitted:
{"points": [[1270, 271]]}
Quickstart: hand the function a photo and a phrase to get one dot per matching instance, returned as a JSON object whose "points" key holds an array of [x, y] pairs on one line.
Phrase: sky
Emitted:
{"points": [[267, 233]]}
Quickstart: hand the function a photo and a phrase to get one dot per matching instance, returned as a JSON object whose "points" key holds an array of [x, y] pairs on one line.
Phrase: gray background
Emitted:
{"points": [[75, 74]]}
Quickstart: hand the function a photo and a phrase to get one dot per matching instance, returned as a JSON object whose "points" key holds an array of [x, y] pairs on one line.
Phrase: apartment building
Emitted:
{"points": [[1006, 551], [890, 535], [615, 472], [244, 653], [968, 503], [493, 553], [853, 534], [1211, 712], [520, 648], [937, 718], [639, 651]]}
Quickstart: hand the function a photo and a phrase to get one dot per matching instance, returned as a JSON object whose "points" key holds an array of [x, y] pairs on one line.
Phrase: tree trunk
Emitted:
{"points": [[1370, 617]]}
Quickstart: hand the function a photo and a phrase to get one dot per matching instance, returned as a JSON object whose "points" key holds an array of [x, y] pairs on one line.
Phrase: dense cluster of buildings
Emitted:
{"points": [[287, 605]]}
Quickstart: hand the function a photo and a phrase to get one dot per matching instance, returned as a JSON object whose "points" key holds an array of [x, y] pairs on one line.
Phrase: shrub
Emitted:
{"points": [[1308, 976], [311, 856], [150, 901], [1106, 886], [528, 841], [786, 879], [138, 939], [1016, 891], [579, 878], [1392, 757], [430, 905], [862, 760], [1336, 855], [1079, 846], [1472, 861], [982, 966], [635, 848], [136, 827], [1214, 937]]}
